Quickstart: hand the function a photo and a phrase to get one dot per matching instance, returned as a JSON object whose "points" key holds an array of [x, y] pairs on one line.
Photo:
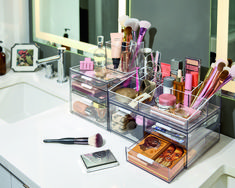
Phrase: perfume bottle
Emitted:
{"points": [[2, 61], [99, 58], [178, 87]]}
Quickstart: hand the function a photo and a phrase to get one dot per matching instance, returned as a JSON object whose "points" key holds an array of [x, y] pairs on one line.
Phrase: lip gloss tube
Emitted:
{"points": [[188, 89]]}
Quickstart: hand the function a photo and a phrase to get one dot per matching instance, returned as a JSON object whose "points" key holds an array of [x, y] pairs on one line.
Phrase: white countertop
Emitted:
{"points": [[59, 166]]}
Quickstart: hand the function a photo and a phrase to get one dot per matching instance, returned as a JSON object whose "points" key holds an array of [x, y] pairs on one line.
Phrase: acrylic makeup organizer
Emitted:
{"points": [[89, 91], [195, 132]]}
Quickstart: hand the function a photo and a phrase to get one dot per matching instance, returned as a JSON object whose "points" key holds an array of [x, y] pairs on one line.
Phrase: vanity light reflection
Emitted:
{"points": [[42, 36]]}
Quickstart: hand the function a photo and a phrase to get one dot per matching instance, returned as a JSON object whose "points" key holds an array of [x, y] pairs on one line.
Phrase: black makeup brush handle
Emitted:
{"points": [[80, 141]]}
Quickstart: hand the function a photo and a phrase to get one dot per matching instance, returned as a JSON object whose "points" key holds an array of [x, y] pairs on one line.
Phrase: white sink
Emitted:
{"points": [[22, 100], [224, 177]]}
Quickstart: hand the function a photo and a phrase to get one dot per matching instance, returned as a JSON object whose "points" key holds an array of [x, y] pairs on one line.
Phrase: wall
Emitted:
{"points": [[179, 28], [14, 24]]}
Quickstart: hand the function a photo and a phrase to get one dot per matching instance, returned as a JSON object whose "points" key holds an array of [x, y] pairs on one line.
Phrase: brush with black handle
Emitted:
{"points": [[95, 140]]}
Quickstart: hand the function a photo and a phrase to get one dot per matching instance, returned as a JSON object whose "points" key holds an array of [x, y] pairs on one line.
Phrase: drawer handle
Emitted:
{"points": [[86, 86]]}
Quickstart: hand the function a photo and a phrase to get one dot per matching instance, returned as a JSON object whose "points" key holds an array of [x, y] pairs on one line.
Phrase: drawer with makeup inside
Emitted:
{"points": [[197, 140], [164, 151], [157, 156], [88, 109], [110, 78], [93, 93], [126, 123]]}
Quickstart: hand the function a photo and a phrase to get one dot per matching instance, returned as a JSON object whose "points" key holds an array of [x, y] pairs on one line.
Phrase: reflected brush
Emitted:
{"points": [[95, 140]]}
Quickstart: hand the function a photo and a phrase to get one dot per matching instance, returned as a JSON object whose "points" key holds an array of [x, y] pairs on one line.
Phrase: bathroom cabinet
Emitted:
{"points": [[8, 180]]}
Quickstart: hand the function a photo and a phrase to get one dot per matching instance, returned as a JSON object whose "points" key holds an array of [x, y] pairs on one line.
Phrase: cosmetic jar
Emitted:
{"points": [[168, 84], [166, 101]]}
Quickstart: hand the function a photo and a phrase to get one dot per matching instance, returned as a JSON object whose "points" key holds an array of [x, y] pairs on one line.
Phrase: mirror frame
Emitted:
{"points": [[79, 45], [222, 29]]}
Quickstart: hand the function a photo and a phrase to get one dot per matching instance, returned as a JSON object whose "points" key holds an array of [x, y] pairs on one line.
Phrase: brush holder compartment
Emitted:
{"points": [[124, 57]]}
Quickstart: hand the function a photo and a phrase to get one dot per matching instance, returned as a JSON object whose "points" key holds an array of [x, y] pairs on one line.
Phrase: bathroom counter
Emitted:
{"points": [[59, 166]]}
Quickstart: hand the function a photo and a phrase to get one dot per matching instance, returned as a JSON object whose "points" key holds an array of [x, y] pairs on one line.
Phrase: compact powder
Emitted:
{"points": [[167, 100]]}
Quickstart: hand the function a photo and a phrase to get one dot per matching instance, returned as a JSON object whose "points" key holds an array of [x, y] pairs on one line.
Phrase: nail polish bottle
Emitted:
{"points": [[188, 89]]}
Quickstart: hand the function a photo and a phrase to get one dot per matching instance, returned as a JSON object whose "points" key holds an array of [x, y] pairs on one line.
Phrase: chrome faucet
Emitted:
{"points": [[61, 65]]}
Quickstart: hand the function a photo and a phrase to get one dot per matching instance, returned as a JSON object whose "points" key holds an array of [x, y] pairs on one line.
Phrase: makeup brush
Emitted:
{"points": [[229, 77], [215, 78], [223, 75], [122, 20], [220, 64], [144, 26], [208, 75], [134, 24], [95, 140], [230, 62]]}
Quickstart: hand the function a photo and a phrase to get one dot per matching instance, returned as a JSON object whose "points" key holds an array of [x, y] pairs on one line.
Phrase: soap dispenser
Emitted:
{"points": [[66, 35], [2, 62]]}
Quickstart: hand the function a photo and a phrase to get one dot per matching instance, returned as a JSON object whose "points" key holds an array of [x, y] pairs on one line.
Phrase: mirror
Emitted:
{"points": [[231, 30], [77, 25]]}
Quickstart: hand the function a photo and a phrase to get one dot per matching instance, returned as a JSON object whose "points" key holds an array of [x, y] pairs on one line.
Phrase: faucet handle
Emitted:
{"points": [[61, 50], [49, 70]]}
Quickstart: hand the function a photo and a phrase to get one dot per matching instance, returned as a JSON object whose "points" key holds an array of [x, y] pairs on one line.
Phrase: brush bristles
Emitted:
{"points": [[145, 24], [232, 71], [213, 65], [224, 74], [133, 23], [122, 20], [221, 61], [95, 140], [220, 66]]}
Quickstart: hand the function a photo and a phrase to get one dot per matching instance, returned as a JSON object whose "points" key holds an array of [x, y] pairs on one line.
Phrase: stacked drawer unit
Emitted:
{"points": [[166, 141], [89, 93]]}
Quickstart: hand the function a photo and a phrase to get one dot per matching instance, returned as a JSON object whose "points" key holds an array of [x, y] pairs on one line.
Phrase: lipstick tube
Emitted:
{"points": [[188, 89]]}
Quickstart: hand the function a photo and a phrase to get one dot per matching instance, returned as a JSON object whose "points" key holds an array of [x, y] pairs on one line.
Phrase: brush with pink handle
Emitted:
{"points": [[220, 64], [144, 25], [223, 75]]}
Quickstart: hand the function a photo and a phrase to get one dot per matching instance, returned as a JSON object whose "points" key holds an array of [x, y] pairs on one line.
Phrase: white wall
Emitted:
{"points": [[14, 24]]}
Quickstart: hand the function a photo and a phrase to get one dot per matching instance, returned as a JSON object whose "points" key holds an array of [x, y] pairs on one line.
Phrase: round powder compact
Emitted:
{"points": [[166, 101]]}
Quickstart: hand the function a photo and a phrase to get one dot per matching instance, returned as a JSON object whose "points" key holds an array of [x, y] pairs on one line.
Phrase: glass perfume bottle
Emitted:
{"points": [[178, 87], [99, 58]]}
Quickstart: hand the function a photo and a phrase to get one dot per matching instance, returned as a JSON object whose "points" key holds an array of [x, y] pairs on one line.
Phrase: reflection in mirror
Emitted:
{"points": [[231, 30], [76, 23]]}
